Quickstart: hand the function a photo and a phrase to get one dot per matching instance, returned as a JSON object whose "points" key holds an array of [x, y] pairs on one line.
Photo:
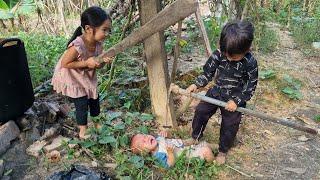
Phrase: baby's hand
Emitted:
{"points": [[170, 148], [163, 133], [92, 63], [231, 106]]}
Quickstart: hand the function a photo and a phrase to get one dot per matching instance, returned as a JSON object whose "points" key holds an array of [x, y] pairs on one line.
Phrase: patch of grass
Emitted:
{"points": [[43, 51], [266, 39], [305, 30], [193, 168], [317, 118]]}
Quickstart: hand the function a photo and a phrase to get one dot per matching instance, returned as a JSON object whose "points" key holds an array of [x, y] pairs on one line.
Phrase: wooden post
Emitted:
{"points": [[157, 67]]}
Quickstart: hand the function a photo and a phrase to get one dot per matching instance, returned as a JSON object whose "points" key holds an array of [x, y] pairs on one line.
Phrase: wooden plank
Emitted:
{"points": [[175, 12], [157, 67]]}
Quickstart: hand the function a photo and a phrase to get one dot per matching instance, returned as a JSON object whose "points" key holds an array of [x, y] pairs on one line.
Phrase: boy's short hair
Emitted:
{"points": [[236, 37]]}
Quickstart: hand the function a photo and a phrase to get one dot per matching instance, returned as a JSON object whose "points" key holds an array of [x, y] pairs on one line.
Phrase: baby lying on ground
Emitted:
{"points": [[166, 150]]}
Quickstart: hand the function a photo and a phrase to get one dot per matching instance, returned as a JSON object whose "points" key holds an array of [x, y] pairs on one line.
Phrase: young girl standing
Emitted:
{"points": [[75, 73]]}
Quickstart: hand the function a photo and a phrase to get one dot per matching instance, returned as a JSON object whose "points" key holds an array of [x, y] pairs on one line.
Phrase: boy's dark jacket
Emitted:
{"points": [[236, 80]]}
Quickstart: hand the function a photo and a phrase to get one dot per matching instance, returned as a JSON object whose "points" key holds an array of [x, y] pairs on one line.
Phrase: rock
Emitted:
{"points": [[8, 132], [5, 178], [1, 168], [303, 138], [56, 143], [73, 146], [94, 164], [54, 156], [32, 135], [65, 110], [24, 124], [316, 45], [49, 133], [35, 148], [31, 177], [296, 170]]}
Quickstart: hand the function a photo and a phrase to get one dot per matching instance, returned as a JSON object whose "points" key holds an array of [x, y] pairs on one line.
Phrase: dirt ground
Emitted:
{"points": [[270, 151]]}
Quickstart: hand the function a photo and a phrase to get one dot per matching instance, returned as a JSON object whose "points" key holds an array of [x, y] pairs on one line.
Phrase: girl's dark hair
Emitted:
{"points": [[93, 16], [236, 37]]}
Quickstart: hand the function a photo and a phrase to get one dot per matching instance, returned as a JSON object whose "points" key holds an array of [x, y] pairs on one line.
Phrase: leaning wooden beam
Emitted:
{"points": [[173, 13], [282, 121], [176, 53], [203, 32]]}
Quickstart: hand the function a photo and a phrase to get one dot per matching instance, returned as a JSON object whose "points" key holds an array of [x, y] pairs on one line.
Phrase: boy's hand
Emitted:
{"points": [[231, 106], [192, 88], [91, 63]]}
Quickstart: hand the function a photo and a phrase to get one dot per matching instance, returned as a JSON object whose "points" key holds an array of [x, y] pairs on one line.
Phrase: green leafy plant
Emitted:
{"points": [[194, 168], [317, 118], [292, 88], [267, 74], [16, 8]]}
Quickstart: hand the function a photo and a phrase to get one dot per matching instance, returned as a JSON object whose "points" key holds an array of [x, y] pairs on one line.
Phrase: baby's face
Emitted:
{"points": [[145, 142]]}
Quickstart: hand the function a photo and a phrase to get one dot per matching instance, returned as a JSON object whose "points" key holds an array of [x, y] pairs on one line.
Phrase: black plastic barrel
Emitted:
{"points": [[16, 92]]}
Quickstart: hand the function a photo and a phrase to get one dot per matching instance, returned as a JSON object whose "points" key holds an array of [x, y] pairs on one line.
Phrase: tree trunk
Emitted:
{"points": [[157, 67]]}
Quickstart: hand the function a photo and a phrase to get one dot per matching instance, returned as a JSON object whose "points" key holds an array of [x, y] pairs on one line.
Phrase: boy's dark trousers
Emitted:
{"points": [[229, 125]]}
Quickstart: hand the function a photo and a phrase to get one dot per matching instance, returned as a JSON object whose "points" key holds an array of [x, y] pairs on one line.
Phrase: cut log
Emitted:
{"points": [[173, 13]]}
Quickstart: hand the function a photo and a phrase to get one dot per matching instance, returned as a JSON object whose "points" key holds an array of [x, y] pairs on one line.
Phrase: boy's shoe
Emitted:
{"points": [[190, 141], [221, 158]]}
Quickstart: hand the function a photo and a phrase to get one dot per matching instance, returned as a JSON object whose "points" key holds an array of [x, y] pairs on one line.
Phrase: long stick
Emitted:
{"points": [[176, 53], [282, 121], [176, 11]]}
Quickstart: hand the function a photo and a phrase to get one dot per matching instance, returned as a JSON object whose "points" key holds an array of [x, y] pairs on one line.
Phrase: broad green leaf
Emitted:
{"points": [[143, 129], [128, 120], [137, 161], [146, 117], [3, 5], [114, 115], [267, 74], [107, 140], [119, 126], [127, 105], [292, 93], [124, 140], [88, 143], [133, 115]]}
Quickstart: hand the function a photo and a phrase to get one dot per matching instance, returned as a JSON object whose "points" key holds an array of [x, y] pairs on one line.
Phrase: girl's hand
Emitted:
{"points": [[108, 60], [231, 106], [91, 63]]}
